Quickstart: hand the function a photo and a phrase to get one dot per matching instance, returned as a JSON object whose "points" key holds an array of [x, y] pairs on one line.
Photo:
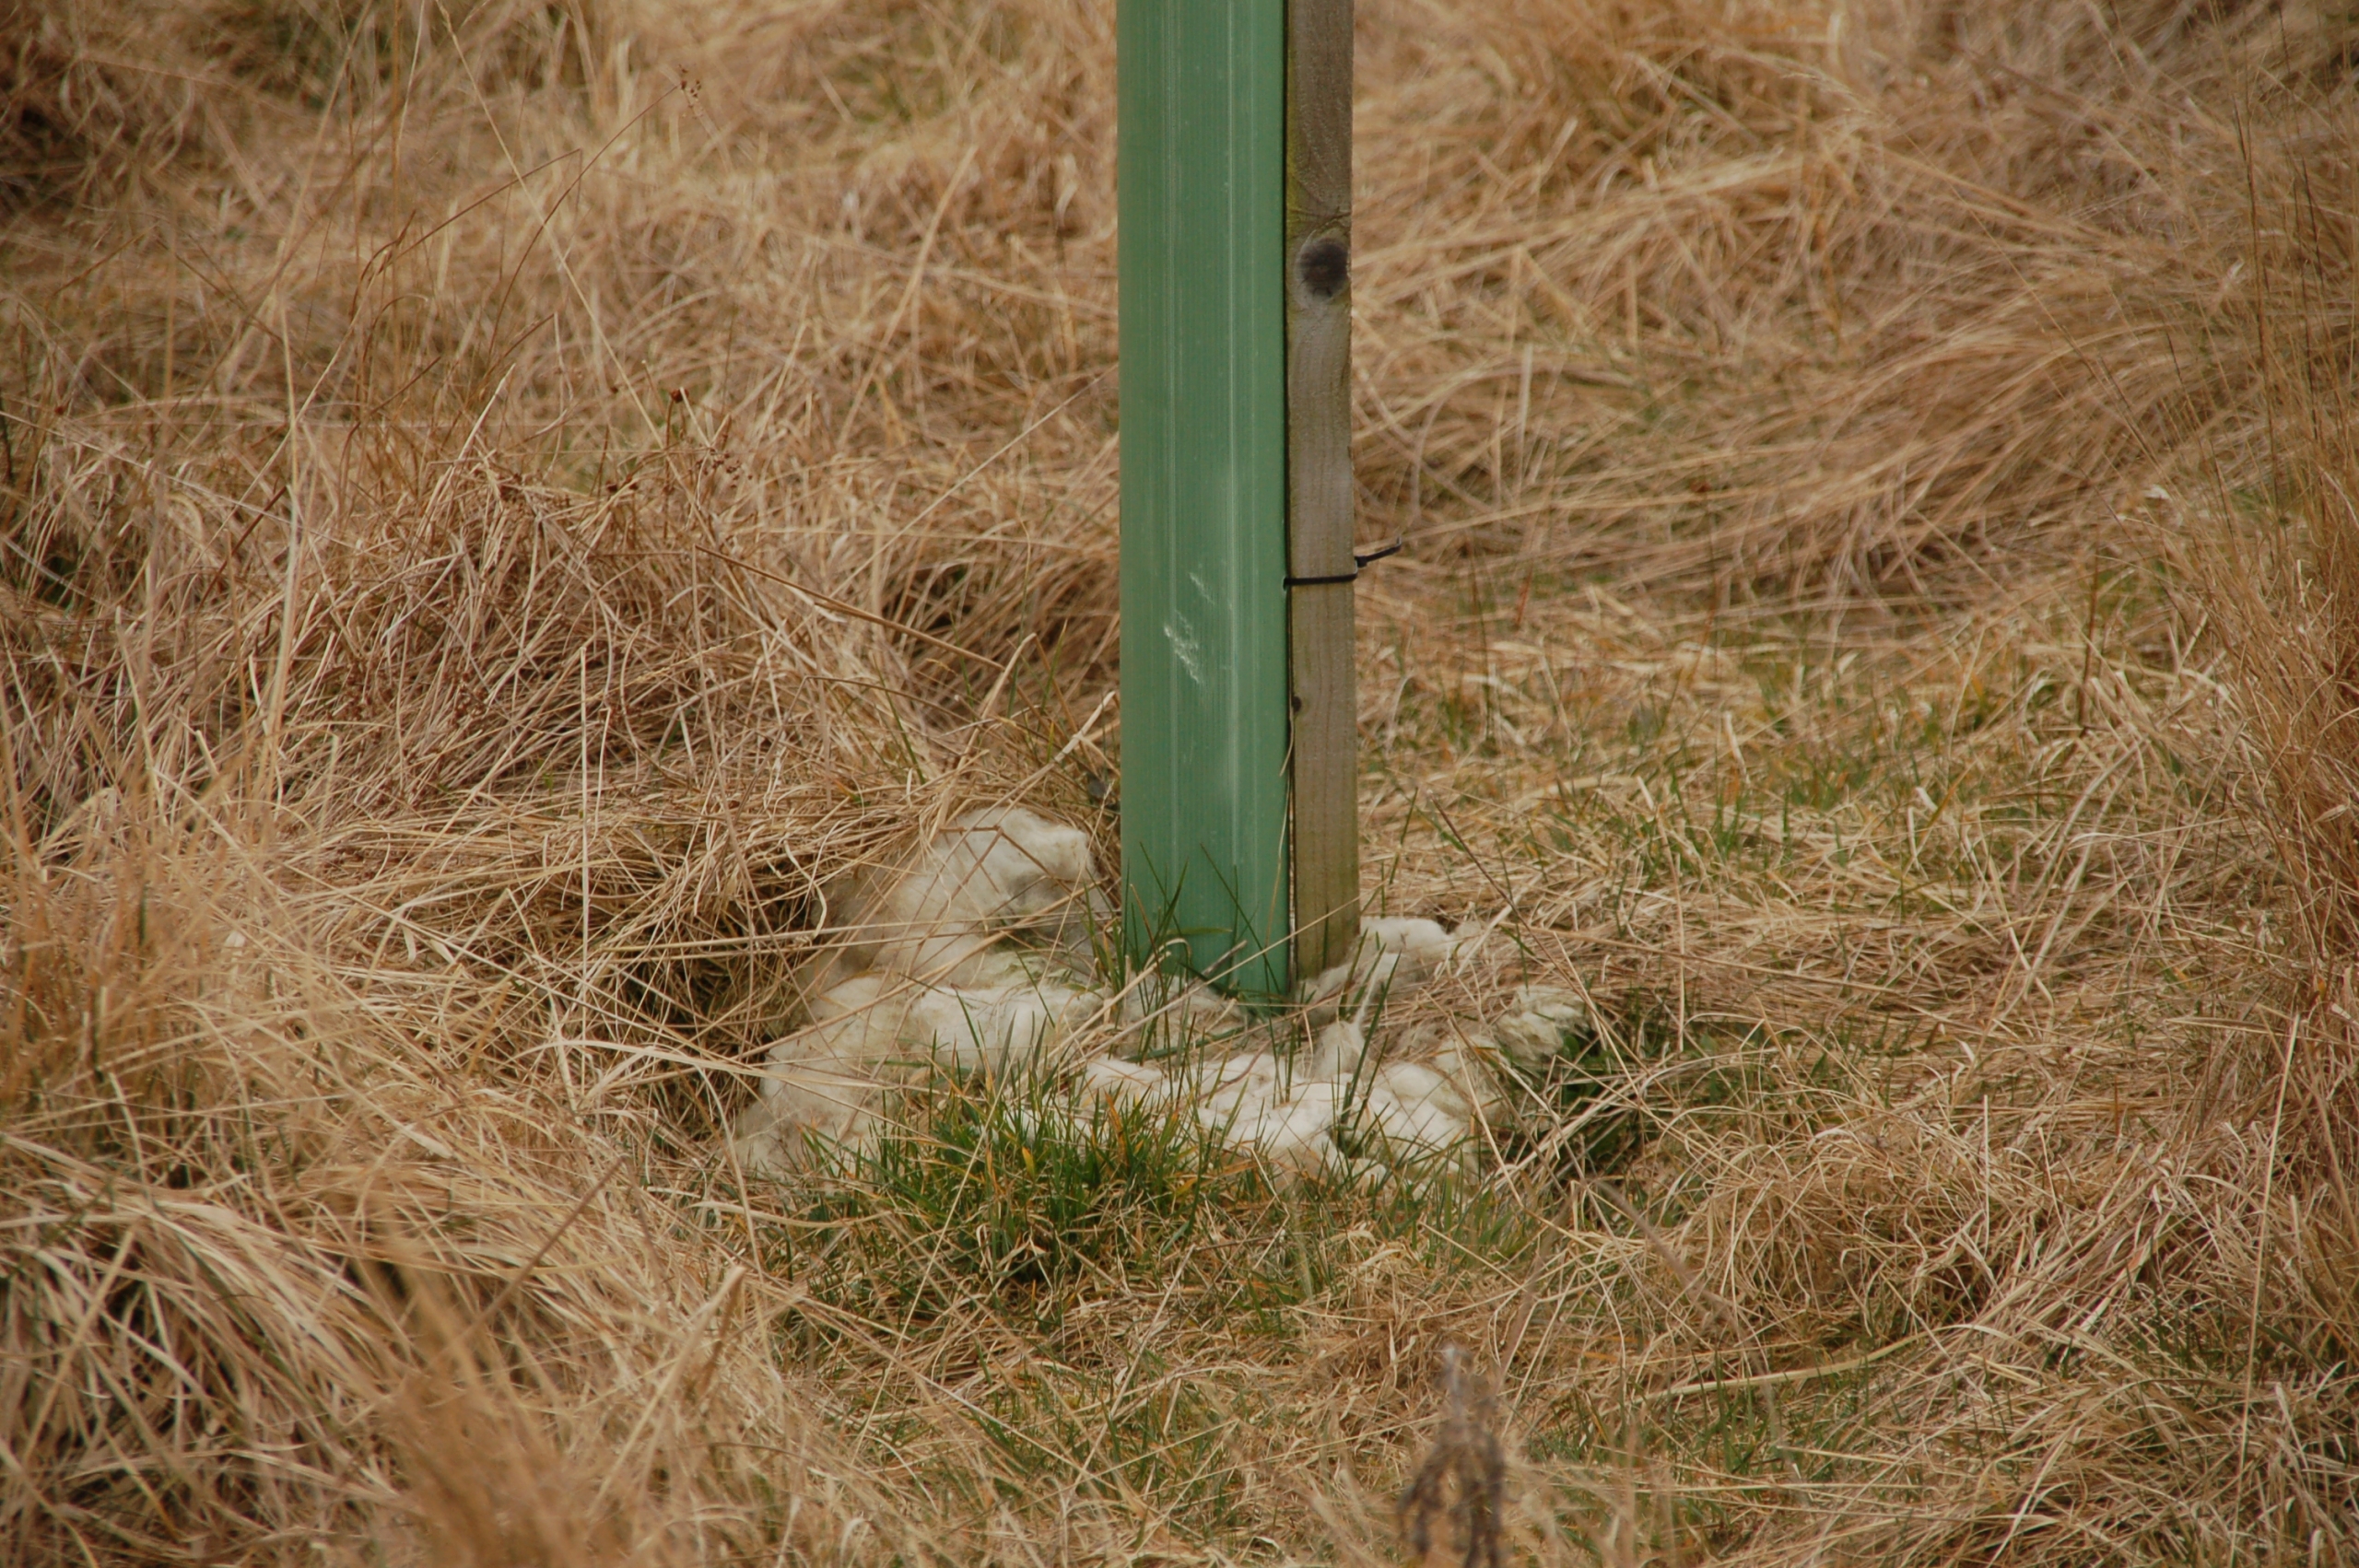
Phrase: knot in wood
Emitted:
{"points": [[1324, 265]]}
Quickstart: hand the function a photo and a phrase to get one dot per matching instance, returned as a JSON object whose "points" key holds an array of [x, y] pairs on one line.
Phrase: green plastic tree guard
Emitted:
{"points": [[1201, 173]]}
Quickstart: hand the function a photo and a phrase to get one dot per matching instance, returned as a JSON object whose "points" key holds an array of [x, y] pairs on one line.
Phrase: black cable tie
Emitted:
{"points": [[1358, 560]]}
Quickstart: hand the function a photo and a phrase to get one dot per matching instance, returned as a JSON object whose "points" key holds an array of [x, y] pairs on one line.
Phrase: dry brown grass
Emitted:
{"points": [[505, 505]]}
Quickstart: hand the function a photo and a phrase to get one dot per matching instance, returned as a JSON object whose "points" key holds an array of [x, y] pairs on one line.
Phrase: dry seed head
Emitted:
{"points": [[1461, 1485]]}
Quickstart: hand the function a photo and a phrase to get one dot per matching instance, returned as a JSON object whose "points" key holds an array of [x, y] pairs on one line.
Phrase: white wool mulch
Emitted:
{"points": [[975, 958]]}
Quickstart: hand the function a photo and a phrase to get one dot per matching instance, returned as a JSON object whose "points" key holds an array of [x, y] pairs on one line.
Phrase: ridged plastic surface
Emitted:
{"points": [[1203, 509]]}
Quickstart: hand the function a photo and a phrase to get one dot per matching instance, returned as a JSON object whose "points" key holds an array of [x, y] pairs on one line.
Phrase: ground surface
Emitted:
{"points": [[504, 506]]}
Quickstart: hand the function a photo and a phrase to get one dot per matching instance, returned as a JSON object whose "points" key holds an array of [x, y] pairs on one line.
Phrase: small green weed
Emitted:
{"points": [[1025, 1194], [1576, 1126], [1017, 1191]]}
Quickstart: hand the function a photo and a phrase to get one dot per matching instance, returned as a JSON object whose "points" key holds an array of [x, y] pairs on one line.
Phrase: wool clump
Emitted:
{"points": [[973, 955]]}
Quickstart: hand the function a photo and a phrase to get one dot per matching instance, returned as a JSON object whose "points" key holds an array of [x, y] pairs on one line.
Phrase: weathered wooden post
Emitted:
{"points": [[1239, 832], [1320, 566]]}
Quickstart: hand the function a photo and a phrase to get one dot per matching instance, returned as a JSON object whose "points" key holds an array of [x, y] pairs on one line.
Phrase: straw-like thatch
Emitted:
{"points": [[508, 510]]}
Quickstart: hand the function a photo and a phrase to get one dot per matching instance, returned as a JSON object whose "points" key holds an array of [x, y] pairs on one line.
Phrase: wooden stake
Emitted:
{"points": [[1320, 567]]}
